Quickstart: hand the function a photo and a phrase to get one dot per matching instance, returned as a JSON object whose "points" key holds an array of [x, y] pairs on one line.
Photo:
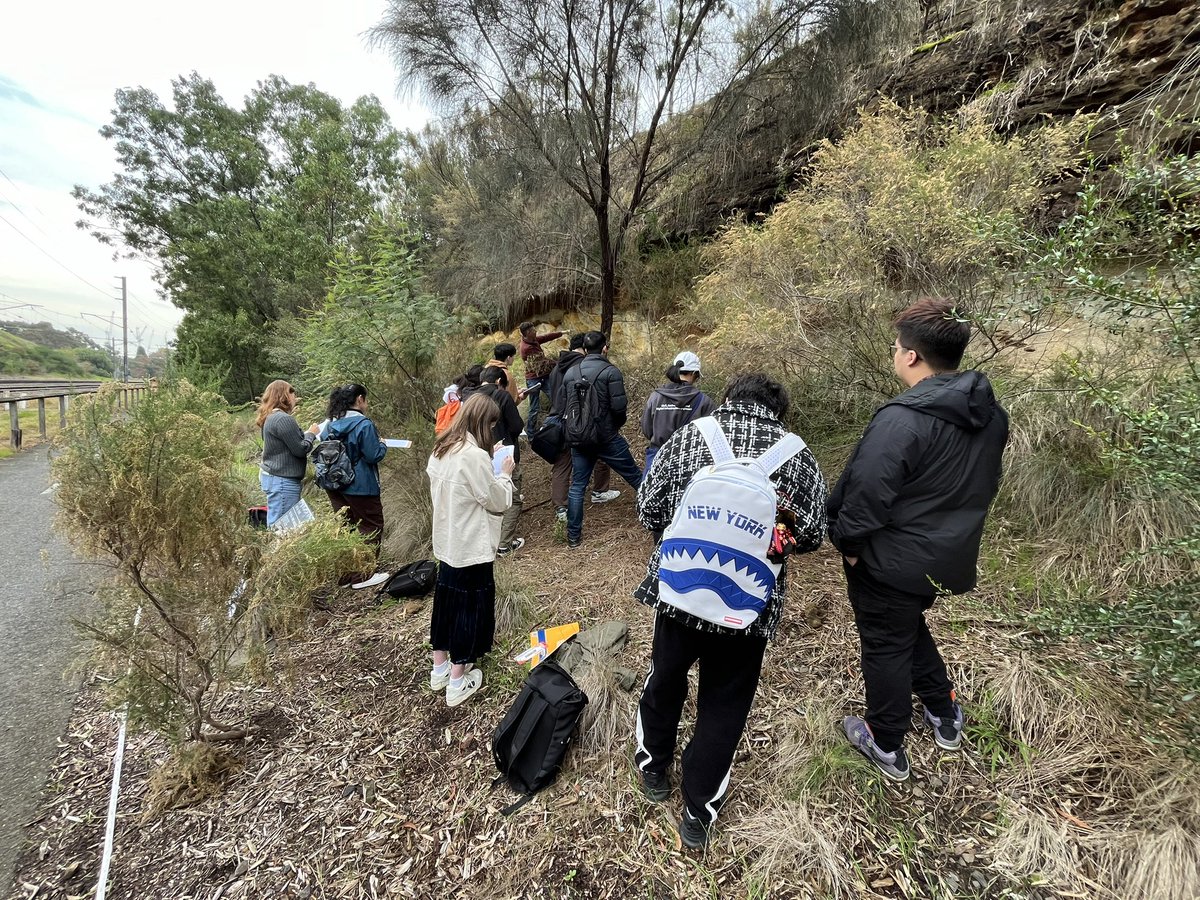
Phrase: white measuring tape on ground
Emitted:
{"points": [[118, 760]]}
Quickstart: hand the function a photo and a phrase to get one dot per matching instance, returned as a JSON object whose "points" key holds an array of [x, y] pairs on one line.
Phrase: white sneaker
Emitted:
{"points": [[472, 682], [605, 496], [438, 682], [561, 514], [377, 578]]}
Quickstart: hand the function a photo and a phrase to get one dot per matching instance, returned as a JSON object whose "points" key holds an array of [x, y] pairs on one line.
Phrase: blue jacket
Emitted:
{"points": [[362, 442]]}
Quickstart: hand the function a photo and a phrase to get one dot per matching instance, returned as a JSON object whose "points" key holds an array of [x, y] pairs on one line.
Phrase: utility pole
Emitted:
{"points": [[124, 331]]}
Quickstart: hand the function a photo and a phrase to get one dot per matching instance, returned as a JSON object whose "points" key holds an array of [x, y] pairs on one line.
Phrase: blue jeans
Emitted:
{"points": [[651, 452], [536, 388], [616, 453], [282, 494]]}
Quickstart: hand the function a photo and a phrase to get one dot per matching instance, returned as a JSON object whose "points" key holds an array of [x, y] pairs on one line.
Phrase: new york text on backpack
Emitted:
{"points": [[713, 563]]}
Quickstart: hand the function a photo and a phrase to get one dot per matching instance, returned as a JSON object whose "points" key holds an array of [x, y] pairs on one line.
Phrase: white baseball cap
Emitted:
{"points": [[688, 361]]}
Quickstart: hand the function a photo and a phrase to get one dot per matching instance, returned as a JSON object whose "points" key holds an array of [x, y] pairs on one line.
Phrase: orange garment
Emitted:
{"points": [[445, 415]]}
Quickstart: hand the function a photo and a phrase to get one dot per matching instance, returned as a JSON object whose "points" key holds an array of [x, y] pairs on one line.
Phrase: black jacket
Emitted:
{"points": [[554, 382], [672, 406], [913, 498], [508, 427], [610, 388]]}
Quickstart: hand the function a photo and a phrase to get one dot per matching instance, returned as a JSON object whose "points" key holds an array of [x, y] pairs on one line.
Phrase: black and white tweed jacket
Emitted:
{"points": [[750, 429]]}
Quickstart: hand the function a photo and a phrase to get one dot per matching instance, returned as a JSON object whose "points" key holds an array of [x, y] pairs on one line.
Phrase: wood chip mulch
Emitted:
{"points": [[363, 784]]}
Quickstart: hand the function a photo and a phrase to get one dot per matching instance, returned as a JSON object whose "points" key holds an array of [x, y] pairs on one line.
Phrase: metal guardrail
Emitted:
{"points": [[14, 391]]}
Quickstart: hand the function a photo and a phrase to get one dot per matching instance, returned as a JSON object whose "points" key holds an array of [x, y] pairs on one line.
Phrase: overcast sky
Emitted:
{"points": [[59, 66]]}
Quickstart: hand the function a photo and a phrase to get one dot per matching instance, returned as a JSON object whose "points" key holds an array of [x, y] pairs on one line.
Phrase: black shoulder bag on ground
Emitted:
{"points": [[414, 580], [531, 742]]}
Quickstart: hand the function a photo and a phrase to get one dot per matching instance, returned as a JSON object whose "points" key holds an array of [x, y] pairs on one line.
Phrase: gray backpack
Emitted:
{"points": [[331, 459]]}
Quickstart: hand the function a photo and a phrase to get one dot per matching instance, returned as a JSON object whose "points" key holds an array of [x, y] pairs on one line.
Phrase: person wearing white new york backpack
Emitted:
{"points": [[733, 494]]}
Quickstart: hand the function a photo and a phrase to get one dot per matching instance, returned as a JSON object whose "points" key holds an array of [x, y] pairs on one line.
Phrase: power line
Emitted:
{"points": [[53, 259], [14, 205], [21, 191]]}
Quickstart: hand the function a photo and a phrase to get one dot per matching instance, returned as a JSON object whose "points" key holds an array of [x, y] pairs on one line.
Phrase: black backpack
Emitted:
{"points": [[531, 742], [581, 419], [331, 460], [414, 580]]}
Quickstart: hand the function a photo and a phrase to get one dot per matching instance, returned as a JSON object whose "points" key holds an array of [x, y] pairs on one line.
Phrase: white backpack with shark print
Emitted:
{"points": [[714, 562]]}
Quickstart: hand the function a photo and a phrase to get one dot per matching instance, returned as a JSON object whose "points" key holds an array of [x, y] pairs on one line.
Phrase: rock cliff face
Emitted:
{"points": [[1029, 59], [1020, 61]]}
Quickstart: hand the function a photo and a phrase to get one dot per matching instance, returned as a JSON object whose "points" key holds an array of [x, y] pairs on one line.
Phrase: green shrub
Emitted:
{"points": [[152, 490]]}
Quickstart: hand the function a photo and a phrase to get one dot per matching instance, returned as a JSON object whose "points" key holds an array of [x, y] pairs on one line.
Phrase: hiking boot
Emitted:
{"points": [[561, 514], [573, 543], [893, 765], [692, 832], [505, 549], [472, 682], [605, 496], [656, 786], [947, 731]]}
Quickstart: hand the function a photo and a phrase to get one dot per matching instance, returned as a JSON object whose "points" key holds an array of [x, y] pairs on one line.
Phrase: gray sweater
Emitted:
{"points": [[285, 446]]}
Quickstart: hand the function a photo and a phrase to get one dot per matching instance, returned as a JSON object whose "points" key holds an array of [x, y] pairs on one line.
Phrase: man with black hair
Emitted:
{"points": [[907, 516], [560, 472], [730, 660], [508, 431], [502, 357], [608, 383]]}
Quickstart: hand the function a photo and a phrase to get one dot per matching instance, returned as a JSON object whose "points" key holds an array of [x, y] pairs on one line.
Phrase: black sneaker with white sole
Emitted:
{"points": [[505, 549]]}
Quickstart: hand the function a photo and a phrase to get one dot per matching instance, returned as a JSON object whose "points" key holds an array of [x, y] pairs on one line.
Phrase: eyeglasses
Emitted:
{"points": [[897, 348]]}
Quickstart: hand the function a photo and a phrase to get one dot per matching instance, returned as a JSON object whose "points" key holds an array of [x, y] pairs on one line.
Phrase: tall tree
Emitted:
{"points": [[590, 84], [242, 209]]}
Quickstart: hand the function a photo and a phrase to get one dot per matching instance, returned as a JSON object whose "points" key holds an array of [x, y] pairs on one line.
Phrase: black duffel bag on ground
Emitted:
{"points": [[414, 580], [550, 440]]}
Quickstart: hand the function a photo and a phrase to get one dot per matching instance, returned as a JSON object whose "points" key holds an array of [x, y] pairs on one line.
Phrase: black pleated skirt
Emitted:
{"points": [[464, 611]]}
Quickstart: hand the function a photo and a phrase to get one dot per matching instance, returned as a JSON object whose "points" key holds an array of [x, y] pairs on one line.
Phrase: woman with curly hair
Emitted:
{"points": [[285, 448]]}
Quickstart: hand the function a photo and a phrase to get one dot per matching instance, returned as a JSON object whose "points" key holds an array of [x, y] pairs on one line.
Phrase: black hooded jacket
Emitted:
{"points": [[912, 500], [554, 382]]}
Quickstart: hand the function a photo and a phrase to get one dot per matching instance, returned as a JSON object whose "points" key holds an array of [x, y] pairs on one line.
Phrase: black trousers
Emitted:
{"points": [[899, 656], [730, 665]]}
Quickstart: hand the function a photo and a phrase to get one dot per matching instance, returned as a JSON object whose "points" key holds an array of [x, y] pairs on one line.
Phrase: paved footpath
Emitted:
{"points": [[38, 597]]}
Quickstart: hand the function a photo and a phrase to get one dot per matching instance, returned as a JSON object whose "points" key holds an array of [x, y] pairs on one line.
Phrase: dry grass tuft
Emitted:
{"points": [[1163, 866], [608, 718], [1035, 843], [796, 850]]}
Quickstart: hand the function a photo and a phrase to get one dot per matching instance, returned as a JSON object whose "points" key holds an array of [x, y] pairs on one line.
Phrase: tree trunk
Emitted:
{"points": [[608, 272]]}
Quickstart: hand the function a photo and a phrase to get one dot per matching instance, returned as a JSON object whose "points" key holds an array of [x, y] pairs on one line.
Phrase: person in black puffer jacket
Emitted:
{"points": [[609, 385], [907, 516]]}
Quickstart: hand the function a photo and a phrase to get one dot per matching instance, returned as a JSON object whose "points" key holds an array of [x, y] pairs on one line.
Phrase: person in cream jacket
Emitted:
{"points": [[469, 499]]}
